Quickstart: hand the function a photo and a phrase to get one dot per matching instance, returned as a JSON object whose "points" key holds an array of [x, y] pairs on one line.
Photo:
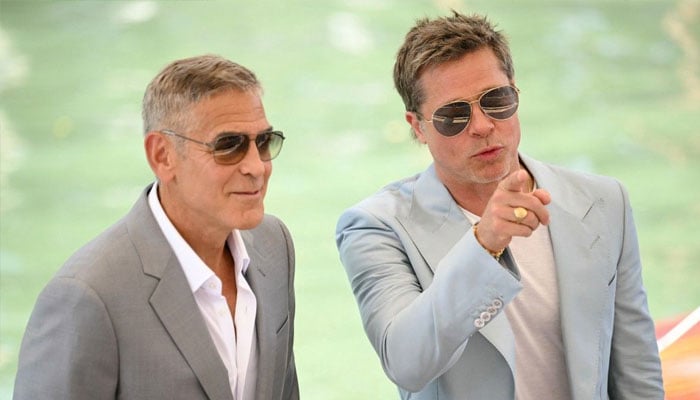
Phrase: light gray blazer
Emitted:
{"points": [[119, 321], [422, 283]]}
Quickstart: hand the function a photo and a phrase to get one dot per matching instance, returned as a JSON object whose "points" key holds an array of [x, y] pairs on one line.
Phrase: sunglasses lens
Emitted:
{"points": [[500, 103], [230, 149], [452, 118], [269, 145]]}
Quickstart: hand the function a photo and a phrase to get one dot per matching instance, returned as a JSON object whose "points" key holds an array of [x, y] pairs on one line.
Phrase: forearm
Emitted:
{"points": [[419, 328], [429, 335]]}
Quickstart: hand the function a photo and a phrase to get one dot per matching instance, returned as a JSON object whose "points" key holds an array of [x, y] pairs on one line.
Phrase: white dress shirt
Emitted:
{"points": [[234, 340]]}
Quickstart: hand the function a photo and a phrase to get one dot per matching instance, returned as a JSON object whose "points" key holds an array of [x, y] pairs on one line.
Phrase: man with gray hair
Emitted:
{"points": [[191, 294]]}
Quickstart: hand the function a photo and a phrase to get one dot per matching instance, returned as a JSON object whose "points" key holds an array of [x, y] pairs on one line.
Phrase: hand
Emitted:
{"points": [[498, 223]]}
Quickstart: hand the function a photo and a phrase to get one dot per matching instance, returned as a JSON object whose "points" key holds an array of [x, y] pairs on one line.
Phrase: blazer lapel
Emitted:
{"points": [[579, 294], [582, 290], [271, 296], [435, 223], [256, 278], [173, 302]]}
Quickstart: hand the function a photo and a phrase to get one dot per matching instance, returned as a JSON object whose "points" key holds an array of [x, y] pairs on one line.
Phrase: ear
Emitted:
{"points": [[416, 125], [161, 155]]}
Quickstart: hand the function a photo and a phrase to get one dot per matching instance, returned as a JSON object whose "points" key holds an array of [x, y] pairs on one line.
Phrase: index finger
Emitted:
{"points": [[515, 182]]}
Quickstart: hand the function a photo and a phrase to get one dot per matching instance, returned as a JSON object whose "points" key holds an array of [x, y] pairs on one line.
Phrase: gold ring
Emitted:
{"points": [[520, 213]]}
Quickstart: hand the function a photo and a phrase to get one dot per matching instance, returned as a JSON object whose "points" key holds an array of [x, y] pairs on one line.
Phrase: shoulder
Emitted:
{"points": [[271, 226], [271, 238], [115, 256], [391, 200], [109, 247], [569, 183]]}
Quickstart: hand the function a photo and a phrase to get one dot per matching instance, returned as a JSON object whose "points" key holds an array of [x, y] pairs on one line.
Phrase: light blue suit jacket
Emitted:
{"points": [[119, 321], [422, 283]]}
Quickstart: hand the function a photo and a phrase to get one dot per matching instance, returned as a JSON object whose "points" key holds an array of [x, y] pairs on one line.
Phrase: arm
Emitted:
{"points": [[635, 368], [419, 328], [69, 349]]}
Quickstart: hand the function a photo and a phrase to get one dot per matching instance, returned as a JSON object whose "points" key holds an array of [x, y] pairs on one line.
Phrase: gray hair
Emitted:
{"points": [[169, 98]]}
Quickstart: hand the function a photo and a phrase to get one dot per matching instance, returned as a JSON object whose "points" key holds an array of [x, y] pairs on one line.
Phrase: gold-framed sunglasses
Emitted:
{"points": [[231, 148], [499, 103]]}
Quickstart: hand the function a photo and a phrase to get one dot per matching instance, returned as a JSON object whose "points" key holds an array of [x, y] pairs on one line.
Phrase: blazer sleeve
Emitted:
{"points": [[419, 324], [635, 368], [69, 348]]}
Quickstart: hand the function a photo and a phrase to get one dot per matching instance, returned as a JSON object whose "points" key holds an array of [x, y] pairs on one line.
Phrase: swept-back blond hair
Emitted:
{"points": [[433, 42]]}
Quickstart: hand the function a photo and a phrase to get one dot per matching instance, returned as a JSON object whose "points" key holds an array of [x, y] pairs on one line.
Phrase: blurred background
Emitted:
{"points": [[610, 87]]}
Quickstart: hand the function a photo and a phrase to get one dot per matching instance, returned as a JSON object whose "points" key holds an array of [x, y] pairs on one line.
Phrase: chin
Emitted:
{"points": [[493, 176], [250, 219]]}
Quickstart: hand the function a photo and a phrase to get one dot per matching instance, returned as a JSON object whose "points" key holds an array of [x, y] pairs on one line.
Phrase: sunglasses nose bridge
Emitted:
{"points": [[250, 148], [251, 160], [480, 123]]}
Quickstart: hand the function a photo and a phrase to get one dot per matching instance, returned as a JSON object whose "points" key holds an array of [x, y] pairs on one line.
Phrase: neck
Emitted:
{"points": [[205, 239], [474, 197], [218, 258]]}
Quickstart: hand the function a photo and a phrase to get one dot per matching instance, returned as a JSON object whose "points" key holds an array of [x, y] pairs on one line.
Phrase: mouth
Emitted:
{"points": [[248, 193], [488, 152]]}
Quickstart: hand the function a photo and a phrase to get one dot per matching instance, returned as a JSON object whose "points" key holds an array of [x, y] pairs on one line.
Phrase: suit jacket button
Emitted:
{"points": [[497, 303], [492, 310], [485, 316], [479, 323]]}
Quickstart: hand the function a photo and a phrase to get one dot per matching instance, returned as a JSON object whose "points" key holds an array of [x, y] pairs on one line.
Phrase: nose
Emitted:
{"points": [[251, 164], [480, 125]]}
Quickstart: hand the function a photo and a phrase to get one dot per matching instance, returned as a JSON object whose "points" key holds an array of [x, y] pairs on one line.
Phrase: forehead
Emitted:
{"points": [[231, 110], [462, 78]]}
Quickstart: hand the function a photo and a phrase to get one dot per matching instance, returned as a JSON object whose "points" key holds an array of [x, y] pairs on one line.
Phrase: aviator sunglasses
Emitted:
{"points": [[498, 103], [231, 148]]}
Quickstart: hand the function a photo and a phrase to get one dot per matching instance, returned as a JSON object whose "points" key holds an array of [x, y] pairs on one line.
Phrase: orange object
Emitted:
{"points": [[679, 348]]}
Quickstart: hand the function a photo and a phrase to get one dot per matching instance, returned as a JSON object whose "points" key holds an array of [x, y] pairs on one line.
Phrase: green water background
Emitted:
{"points": [[611, 87]]}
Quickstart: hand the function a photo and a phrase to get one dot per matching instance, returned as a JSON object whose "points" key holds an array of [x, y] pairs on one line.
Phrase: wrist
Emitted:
{"points": [[495, 254]]}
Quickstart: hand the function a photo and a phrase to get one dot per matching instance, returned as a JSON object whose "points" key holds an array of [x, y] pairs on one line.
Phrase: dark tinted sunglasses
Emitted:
{"points": [[229, 149], [498, 103]]}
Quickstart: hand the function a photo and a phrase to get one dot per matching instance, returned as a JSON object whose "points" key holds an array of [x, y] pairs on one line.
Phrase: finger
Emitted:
{"points": [[539, 213], [543, 195], [532, 221], [515, 182], [542, 198], [536, 213]]}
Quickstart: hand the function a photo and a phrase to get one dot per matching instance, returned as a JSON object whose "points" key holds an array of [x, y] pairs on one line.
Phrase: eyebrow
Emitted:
{"points": [[472, 97], [237, 133]]}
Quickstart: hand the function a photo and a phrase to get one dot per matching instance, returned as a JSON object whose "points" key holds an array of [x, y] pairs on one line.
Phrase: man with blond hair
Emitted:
{"points": [[491, 275]]}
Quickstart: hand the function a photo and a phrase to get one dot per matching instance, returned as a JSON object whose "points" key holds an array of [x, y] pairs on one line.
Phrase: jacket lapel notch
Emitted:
{"points": [[433, 214]]}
